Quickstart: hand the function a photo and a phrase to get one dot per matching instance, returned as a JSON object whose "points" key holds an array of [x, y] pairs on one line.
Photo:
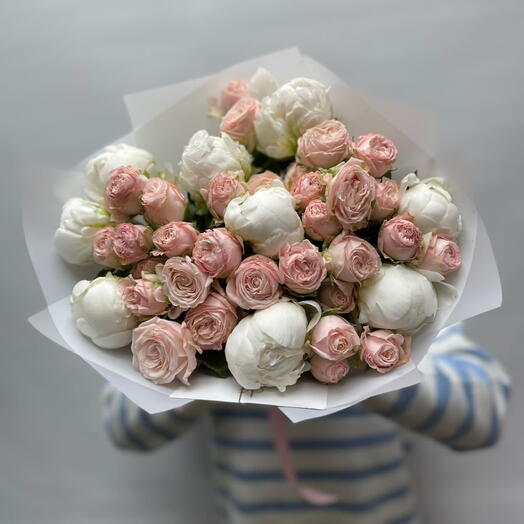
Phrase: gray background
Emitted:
{"points": [[64, 67]]}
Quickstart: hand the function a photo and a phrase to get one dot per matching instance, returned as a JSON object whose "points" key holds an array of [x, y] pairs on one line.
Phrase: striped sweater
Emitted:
{"points": [[357, 454]]}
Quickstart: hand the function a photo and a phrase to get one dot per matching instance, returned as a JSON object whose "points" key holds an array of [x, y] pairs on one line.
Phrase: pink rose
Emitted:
{"points": [[324, 145], [239, 122], [263, 180], [442, 255], [123, 190], [255, 284], [174, 239], [293, 171], [387, 199], [399, 239], [143, 297], [352, 259], [302, 267], [377, 151], [103, 252], [334, 338], [163, 350], [328, 371], [232, 92], [217, 252], [384, 350], [307, 187], [163, 202], [337, 294], [147, 266], [350, 194], [211, 322], [131, 242], [318, 222], [185, 284], [222, 189]]}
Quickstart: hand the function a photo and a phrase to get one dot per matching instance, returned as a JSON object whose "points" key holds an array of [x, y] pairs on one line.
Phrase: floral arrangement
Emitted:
{"points": [[283, 246]]}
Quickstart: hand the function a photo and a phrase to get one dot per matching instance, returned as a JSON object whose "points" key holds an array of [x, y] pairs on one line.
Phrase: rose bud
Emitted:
{"points": [[217, 252], [174, 239], [318, 222], [307, 187], [147, 266], [263, 180], [352, 259], [378, 152], [329, 371], [232, 92], [255, 284], [337, 294], [163, 350], [103, 252], [143, 297], [131, 242], [350, 194], [123, 191], [239, 122], [163, 202], [211, 322], [442, 255], [384, 350], [386, 199], [324, 145], [334, 338], [293, 171], [399, 239], [302, 267], [222, 189]]}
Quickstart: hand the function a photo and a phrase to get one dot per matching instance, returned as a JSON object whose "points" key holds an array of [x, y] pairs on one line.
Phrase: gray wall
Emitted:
{"points": [[64, 67]]}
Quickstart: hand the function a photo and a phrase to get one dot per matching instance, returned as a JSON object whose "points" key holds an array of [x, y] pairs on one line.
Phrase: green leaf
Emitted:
{"points": [[332, 311], [388, 174], [215, 361]]}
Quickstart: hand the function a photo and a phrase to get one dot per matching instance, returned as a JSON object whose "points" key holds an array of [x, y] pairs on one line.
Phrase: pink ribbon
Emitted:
{"points": [[278, 422]]}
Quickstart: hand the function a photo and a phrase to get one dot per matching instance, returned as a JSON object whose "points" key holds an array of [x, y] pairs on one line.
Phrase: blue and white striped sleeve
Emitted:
{"points": [[130, 427], [461, 402]]}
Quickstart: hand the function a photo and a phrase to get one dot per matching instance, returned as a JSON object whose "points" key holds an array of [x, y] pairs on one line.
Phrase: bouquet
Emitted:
{"points": [[292, 257]]}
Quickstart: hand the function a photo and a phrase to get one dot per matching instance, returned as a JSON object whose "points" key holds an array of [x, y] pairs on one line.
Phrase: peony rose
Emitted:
{"points": [[143, 297], [378, 152], [267, 220], [239, 122], [185, 284], [217, 252], [307, 187], [232, 92], [334, 338], [131, 243], [350, 194], [324, 145], [163, 350], [147, 266], [399, 238], [174, 239], [255, 284], [163, 202], [263, 180], [384, 350], [222, 189], [267, 348], [103, 252], [318, 222], [442, 255], [329, 371], [302, 267], [123, 190], [398, 298], [211, 322], [293, 171], [352, 259], [337, 294], [100, 312], [262, 84], [386, 199], [79, 221]]}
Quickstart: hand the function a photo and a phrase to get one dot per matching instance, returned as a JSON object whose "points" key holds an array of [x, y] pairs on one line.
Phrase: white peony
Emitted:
{"points": [[267, 220], [79, 221], [205, 156], [397, 298], [100, 312], [262, 84], [430, 203], [99, 167], [267, 348]]}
